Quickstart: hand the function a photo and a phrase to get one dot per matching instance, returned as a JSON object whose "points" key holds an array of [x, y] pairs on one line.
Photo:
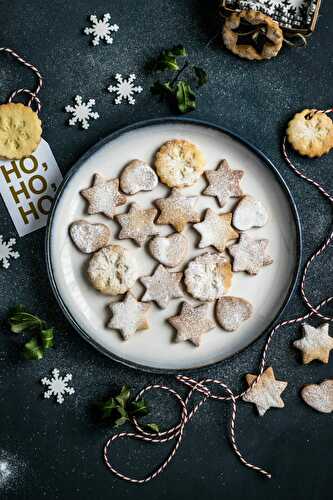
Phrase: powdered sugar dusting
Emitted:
{"points": [[89, 237], [232, 311], [171, 250], [138, 176]]}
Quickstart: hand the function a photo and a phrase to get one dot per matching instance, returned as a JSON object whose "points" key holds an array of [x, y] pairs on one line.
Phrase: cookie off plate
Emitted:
{"points": [[154, 349]]}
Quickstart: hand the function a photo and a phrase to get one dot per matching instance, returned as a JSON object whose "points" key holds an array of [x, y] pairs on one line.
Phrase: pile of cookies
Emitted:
{"points": [[112, 269]]}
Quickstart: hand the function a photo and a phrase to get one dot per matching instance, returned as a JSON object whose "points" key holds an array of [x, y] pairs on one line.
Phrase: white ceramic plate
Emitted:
{"points": [[154, 349]]}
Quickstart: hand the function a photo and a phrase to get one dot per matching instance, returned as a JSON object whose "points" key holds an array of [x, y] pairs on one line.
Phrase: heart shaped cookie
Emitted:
{"points": [[232, 311], [169, 250], [138, 176], [249, 213], [319, 397], [89, 237]]}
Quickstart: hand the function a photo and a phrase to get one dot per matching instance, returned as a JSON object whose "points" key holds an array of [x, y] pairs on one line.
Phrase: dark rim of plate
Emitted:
{"points": [[131, 128]]}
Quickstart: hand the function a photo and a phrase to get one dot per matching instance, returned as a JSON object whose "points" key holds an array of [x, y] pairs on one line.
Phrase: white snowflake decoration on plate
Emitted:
{"points": [[101, 29], [82, 112], [7, 252], [57, 386], [125, 89]]}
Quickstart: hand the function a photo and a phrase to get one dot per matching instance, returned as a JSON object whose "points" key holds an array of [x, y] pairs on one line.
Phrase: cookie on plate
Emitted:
{"points": [[232, 311], [249, 213], [208, 276], [310, 132], [103, 196], [162, 286], [216, 230], [249, 255], [138, 224], [128, 316], [87, 237], [224, 183], [177, 210], [179, 163], [192, 323], [137, 176], [112, 270], [171, 251]]}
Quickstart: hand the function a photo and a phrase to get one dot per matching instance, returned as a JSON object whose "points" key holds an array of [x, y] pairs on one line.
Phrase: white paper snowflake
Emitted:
{"points": [[82, 112], [57, 386], [101, 29], [7, 252], [125, 89]]}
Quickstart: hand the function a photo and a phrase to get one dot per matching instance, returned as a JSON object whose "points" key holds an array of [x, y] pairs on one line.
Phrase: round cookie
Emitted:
{"points": [[112, 270], [137, 176], [310, 133], [231, 312], [208, 276], [89, 237], [179, 163]]}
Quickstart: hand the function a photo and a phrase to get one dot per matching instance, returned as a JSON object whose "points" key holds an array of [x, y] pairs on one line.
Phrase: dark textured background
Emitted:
{"points": [[56, 451]]}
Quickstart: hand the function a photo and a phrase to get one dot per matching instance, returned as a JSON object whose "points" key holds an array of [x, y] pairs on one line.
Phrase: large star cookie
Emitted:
{"points": [[216, 230], [138, 224], [223, 182], [192, 323], [250, 254], [128, 316], [266, 393], [162, 286], [177, 210], [315, 344], [103, 196]]}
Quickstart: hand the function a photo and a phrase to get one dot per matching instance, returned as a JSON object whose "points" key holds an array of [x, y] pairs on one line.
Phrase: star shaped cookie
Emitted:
{"points": [[177, 210], [162, 286], [249, 254], [216, 230], [103, 196], [128, 316], [315, 344], [192, 323], [223, 182], [266, 393], [137, 224]]}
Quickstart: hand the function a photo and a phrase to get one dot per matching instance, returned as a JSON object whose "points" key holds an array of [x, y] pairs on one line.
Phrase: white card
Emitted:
{"points": [[28, 187]]}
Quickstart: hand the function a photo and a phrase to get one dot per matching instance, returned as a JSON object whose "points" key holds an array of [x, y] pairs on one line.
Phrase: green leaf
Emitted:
{"points": [[124, 395], [107, 407], [162, 89], [120, 421], [21, 321], [166, 61], [178, 51], [201, 75], [122, 411], [153, 427], [32, 350], [139, 407], [47, 337], [185, 97]]}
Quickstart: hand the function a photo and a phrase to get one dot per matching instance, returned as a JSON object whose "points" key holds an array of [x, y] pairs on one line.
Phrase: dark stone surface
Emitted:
{"points": [[56, 451]]}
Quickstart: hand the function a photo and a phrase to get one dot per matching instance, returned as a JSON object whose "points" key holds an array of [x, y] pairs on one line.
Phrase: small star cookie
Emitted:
{"points": [[249, 213], [249, 254], [162, 286], [137, 224], [310, 132], [266, 393], [216, 230], [192, 323], [223, 182], [177, 210], [128, 316], [315, 344], [103, 196], [319, 397]]}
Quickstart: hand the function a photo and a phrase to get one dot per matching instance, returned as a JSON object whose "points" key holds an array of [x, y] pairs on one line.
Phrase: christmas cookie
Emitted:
{"points": [[265, 42], [138, 176], [171, 250], [192, 323], [177, 210], [315, 344], [249, 213], [319, 397], [266, 393], [310, 132], [112, 270], [88, 237], [179, 163], [249, 255], [103, 196], [208, 276], [216, 230], [129, 316], [162, 286], [232, 311], [20, 131], [137, 224], [223, 183]]}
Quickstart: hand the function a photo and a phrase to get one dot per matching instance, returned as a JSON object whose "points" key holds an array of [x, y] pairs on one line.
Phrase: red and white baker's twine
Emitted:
{"points": [[32, 94], [195, 386]]}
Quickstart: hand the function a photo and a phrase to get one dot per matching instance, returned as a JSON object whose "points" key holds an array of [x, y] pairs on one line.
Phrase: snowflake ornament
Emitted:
{"points": [[57, 386], [101, 29], [7, 252], [125, 89], [82, 112]]}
